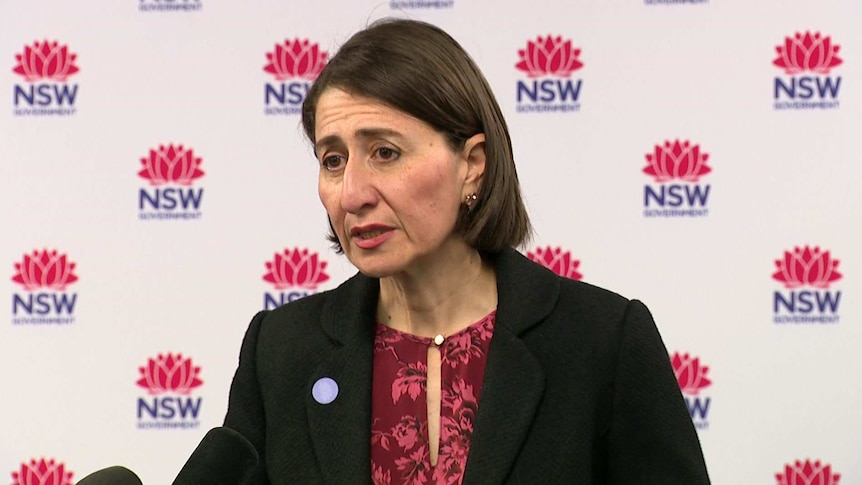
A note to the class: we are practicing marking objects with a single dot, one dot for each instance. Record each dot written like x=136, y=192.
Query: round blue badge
x=325, y=390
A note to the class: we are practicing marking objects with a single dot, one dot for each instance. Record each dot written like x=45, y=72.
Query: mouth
x=368, y=232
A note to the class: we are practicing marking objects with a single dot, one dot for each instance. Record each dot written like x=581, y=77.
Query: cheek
x=328, y=194
x=436, y=189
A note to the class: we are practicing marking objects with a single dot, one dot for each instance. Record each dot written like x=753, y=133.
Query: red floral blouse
x=399, y=414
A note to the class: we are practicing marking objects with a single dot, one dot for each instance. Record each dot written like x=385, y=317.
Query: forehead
x=339, y=112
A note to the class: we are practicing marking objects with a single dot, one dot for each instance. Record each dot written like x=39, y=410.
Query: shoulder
x=338, y=314
x=297, y=317
x=590, y=296
x=302, y=308
x=594, y=303
x=592, y=315
x=314, y=304
x=566, y=311
x=540, y=289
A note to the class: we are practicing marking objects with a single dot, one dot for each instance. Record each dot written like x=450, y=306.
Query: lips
x=370, y=236
x=368, y=231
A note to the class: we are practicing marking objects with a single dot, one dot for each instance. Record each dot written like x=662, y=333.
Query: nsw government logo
x=171, y=171
x=42, y=472
x=676, y=168
x=692, y=380
x=548, y=64
x=295, y=64
x=44, y=276
x=558, y=261
x=45, y=67
x=807, y=273
x=169, y=380
x=807, y=59
x=807, y=473
x=294, y=274
x=169, y=5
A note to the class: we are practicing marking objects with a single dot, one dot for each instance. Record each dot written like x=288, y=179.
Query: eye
x=386, y=154
x=332, y=162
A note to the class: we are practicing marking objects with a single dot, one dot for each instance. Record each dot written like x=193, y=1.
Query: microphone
x=223, y=457
x=115, y=475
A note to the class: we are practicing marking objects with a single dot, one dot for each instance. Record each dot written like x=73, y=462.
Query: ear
x=474, y=155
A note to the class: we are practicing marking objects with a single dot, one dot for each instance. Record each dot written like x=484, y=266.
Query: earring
x=469, y=199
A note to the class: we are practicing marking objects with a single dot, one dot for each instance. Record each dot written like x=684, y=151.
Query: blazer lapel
x=514, y=381
x=341, y=430
x=511, y=392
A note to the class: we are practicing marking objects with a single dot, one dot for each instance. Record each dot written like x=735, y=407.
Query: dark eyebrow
x=330, y=140
x=377, y=132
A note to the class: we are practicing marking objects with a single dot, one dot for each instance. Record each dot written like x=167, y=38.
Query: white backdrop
x=126, y=357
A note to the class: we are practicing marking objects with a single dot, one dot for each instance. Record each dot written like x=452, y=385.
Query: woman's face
x=390, y=183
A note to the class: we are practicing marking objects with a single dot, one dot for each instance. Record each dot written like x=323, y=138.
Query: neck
x=454, y=291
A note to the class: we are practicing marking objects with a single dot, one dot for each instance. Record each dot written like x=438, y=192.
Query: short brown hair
x=419, y=69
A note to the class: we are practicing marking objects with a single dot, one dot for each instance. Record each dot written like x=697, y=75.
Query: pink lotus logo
x=807, y=473
x=45, y=269
x=297, y=59
x=42, y=472
x=169, y=373
x=690, y=375
x=296, y=268
x=807, y=266
x=45, y=60
x=807, y=52
x=677, y=160
x=551, y=56
x=557, y=261
x=171, y=164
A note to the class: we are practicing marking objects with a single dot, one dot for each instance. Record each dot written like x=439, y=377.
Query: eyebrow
x=330, y=140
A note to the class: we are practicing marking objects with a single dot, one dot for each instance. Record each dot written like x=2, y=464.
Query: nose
x=357, y=187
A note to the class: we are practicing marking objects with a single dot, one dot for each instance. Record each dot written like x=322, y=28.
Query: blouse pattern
x=399, y=429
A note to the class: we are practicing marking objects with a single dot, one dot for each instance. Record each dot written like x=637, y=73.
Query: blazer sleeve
x=652, y=438
x=245, y=412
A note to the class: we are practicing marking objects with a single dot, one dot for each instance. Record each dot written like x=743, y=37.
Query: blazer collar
x=512, y=389
x=514, y=380
x=526, y=294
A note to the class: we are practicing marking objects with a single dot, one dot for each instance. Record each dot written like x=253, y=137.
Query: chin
x=375, y=266
x=379, y=265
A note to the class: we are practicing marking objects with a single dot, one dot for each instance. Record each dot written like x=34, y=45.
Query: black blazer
x=578, y=389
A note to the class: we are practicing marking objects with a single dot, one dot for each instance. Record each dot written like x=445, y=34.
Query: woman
x=449, y=358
